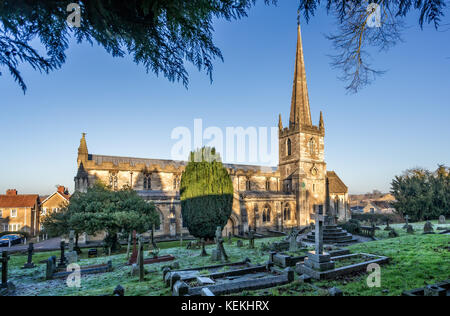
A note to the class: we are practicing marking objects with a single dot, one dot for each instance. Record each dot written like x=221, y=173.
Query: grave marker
x=442, y=219
x=29, y=264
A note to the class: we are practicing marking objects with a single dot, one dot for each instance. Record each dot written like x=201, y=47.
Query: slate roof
x=116, y=160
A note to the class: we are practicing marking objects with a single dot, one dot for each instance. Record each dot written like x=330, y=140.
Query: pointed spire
x=280, y=123
x=321, y=124
x=300, y=111
x=83, y=150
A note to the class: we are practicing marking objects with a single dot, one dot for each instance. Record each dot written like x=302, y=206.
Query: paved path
x=49, y=244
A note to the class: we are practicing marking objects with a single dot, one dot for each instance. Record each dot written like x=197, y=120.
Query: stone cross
x=293, y=241
x=71, y=240
x=4, y=260
x=30, y=263
x=407, y=219
x=319, y=229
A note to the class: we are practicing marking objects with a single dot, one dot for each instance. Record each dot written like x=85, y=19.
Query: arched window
x=287, y=212
x=267, y=184
x=248, y=184
x=176, y=182
x=312, y=146
x=289, y=147
x=161, y=221
x=266, y=214
x=148, y=182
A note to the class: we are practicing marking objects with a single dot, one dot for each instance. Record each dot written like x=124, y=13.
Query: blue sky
x=398, y=122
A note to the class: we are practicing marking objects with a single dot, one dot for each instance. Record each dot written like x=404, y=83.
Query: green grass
x=416, y=260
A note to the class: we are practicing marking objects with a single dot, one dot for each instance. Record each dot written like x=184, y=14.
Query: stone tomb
x=235, y=281
x=438, y=289
x=320, y=265
x=284, y=260
x=55, y=272
x=192, y=273
x=155, y=259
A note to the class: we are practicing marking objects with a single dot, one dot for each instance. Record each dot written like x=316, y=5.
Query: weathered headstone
x=230, y=238
x=406, y=222
x=428, y=228
x=72, y=255
x=29, y=264
x=251, y=236
x=119, y=291
x=128, y=246
x=51, y=267
x=442, y=219
x=393, y=233
x=410, y=229
x=239, y=243
x=62, y=260
x=220, y=253
x=71, y=240
x=134, y=254
x=293, y=241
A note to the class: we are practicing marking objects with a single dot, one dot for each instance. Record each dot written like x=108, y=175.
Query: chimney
x=11, y=192
x=61, y=189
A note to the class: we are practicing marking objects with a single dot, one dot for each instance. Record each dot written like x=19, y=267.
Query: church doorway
x=229, y=228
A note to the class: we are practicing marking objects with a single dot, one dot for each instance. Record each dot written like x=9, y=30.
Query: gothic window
x=289, y=147
x=266, y=214
x=148, y=182
x=312, y=146
x=287, y=212
x=176, y=182
x=248, y=184
x=113, y=182
x=267, y=184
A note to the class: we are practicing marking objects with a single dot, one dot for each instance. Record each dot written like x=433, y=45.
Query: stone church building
x=264, y=198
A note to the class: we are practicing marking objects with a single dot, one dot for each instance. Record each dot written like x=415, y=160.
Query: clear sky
x=400, y=121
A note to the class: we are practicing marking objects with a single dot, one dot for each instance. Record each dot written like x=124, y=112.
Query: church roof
x=336, y=184
x=116, y=160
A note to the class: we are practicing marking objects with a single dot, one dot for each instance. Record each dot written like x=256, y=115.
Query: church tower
x=301, y=147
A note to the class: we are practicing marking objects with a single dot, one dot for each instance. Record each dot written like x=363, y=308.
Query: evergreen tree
x=206, y=194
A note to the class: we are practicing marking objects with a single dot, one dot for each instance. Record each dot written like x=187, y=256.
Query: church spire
x=300, y=111
x=280, y=123
x=321, y=123
x=82, y=149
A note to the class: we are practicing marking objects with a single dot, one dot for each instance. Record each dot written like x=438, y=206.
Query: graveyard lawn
x=418, y=229
x=416, y=260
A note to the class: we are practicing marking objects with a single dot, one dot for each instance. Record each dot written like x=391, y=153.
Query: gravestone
x=239, y=243
x=129, y=246
x=428, y=228
x=51, y=267
x=141, y=261
x=29, y=264
x=393, y=233
x=230, y=238
x=406, y=222
x=119, y=291
x=134, y=254
x=219, y=254
x=293, y=241
x=442, y=219
x=134, y=270
x=62, y=264
x=72, y=255
x=251, y=236
x=410, y=229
